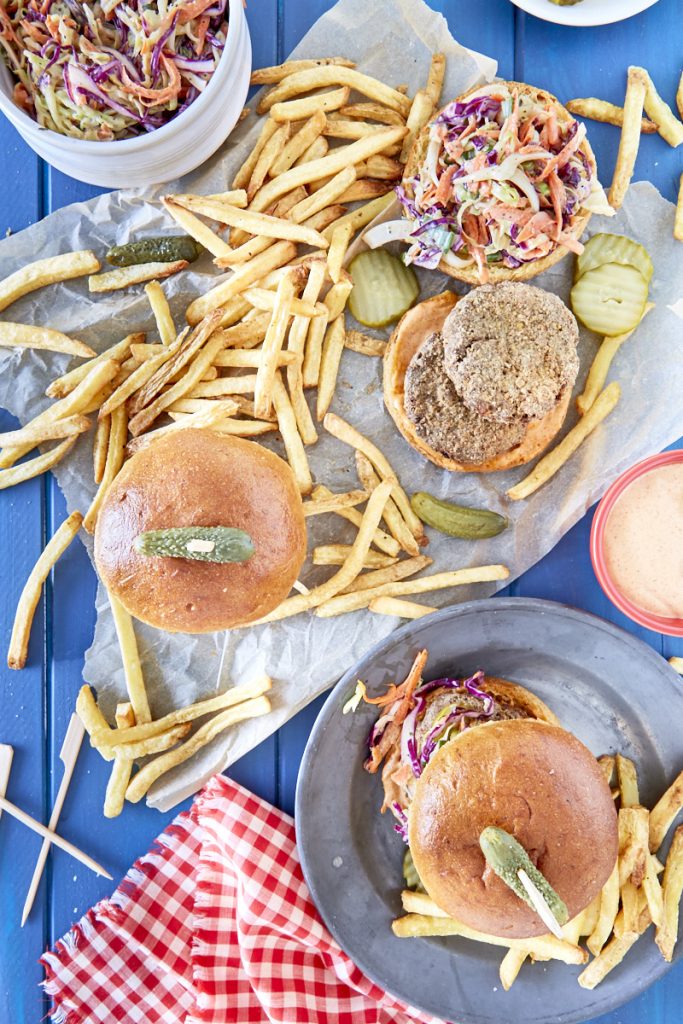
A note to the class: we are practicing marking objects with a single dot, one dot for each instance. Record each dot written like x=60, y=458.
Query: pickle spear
x=457, y=520
x=166, y=249
x=507, y=858
x=198, y=543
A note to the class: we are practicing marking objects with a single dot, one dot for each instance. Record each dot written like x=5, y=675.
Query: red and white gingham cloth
x=214, y=925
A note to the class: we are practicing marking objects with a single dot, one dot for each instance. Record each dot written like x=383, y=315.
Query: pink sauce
x=643, y=542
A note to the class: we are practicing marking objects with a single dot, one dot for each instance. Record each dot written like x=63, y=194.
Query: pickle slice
x=610, y=299
x=383, y=288
x=605, y=248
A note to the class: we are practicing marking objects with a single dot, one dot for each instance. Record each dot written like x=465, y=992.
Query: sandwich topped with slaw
x=498, y=186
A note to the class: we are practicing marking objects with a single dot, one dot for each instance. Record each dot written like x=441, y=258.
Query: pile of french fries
x=641, y=97
x=641, y=891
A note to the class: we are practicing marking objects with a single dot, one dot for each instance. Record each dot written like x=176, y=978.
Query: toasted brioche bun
x=512, y=693
x=497, y=273
x=540, y=784
x=201, y=478
x=418, y=324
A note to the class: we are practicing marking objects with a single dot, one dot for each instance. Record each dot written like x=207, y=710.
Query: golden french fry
x=64, y=385
x=381, y=539
x=116, y=449
x=314, y=348
x=234, y=197
x=316, y=150
x=510, y=966
x=663, y=813
x=336, y=554
x=244, y=385
x=238, y=428
x=332, y=349
x=334, y=75
x=272, y=75
x=296, y=453
x=678, y=217
x=272, y=346
x=380, y=166
x=26, y=336
x=556, y=457
x=607, y=763
x=139, y=732
x=253, y=223
x=171, y=361
x=33, y=434
x=156, y=768
x=161, y=311
x=299, y=143
x=247, y=251
x=321, y=220
x=115, y=794
x=372, y=112
x=439, y=581
x=196, y=228
x=609, y=907
x=48, y=271
x=124, y=277
x=653, y=891
x=338, y=127
x=609, y=958
x=299, y=110
x=343, y=431
x=420, y=113
x=339, y=243
x=140, y=377
x=30, y=595
x=296, y=343
x=267, y=157
x=278, y=255
x=336, y=298
x=357, y=341
x=250, y=358
x=284, y=205
x=325, y=196
x=90, y=715
x=633, y=843
x=437, y=70
x=586, y=921
x=35, y=467
x=668, y=125
x=100, y=448
x=597, y=374
x=628, y=781
x=213, y=417
x=365, y=189
x=378, y=577
x=335, y=502
x=362, y=216
x=607, y=113
x=392, y=517
x=241, y=179
x=264, y=298
x=629, y=142
x=143, y=748
x=677, y=665
x=335, y=161
x=672, y=886
x=400, y=609
x=132, y=669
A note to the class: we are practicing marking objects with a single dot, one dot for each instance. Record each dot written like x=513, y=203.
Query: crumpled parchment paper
x=393, y=40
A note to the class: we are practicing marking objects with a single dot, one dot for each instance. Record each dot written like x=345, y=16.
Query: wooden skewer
x=68, y=755
x=57, y=840
x=6, y=755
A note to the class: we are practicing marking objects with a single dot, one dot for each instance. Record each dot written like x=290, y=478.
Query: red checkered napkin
x=214, y=925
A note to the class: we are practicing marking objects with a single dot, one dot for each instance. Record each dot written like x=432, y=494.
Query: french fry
x=343, y=431
x=63, y=386
x=609, y=907
x=510, y=966
x=319, y=221
x=420, y=113
x=296, y=343
x=372, y=112
x=336, y=298
x=284, y=205
x=633, y=843
x=334, y=75
x=672, y=886
x=247, y=251
x=35, y=467
x=30, y=595
x=140, y=377
x=299, y=110
x=138, y=733
x=254, y=223
x=162, y=312
x=607, y=762
x=296, y=453
x=238, y=428
x=171, y=361
x=100, y=448
x=609, y=958
x=378, y=577
x=668, y=125
x=677, y=665
x=628, y=781
x=383, y=167
x=332, y=349
x=401, y=609
x=156, y=768
x=299, y=143
x=364, y=189
x=392, y=517
x=267, y=157
x=90, y=715
x=272, y=346
x=663, y=813
x=597, y=374
x=337, y=127
x=156, y=744
x=439, y=581
x=265, y=299
x=278, y=255
x=629, y=142
x=116, y=450
x=364, y=344
x=241, y=179
x=132, y=669
x=334, y=503
x=250, y=358
x=606, y=113
x=586, y=921
x=630, y=909
x=211, y=417
x=317, y=149
x=678, y=216
x=556, y=457
x=653, y=891
x=381, y=539
x=272, y=75
x=233, y=197
x=34, y=434
x=314, y=348
x=119, y=778
x=25, y=336
x=196, y=228
x=48, y=271
x=339, y=243
x=437, y=70
x=335, y=161
x=325, y=196
x=124, y=277
x=362, y=216
x=244, y=385
x=336, y=554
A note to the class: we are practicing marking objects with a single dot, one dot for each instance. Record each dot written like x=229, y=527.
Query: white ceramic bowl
x=586, y=13
x=166, y=153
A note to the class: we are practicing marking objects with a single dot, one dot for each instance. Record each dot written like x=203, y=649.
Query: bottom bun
x=412, y=330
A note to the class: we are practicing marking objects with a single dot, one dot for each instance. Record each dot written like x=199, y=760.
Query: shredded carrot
x=155, y=95
x=193, y=10
x=557, y=195
x=563, y=156
x=202, y=29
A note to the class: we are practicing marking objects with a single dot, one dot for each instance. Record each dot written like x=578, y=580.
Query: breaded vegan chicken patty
x=510, y=351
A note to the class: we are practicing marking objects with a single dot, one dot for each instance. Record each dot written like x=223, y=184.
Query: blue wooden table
x=35, y=704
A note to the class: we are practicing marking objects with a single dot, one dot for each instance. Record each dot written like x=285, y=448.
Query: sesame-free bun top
x=534, y=780
x=201, y=478
x=579, y=221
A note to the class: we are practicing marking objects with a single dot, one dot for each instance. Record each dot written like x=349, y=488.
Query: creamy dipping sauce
x=643, y=542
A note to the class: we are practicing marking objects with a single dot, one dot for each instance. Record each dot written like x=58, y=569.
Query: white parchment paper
x=392, y=39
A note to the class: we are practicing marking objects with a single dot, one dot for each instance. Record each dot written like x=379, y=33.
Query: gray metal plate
x=610, y=689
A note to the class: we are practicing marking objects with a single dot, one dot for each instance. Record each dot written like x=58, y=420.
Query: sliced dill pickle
x=610, y=299
x=166, y=249
x=383, y=288
x=413, y=880
x=457, y=520
x=606, y=248
x=198, y=543
x=507, y=857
